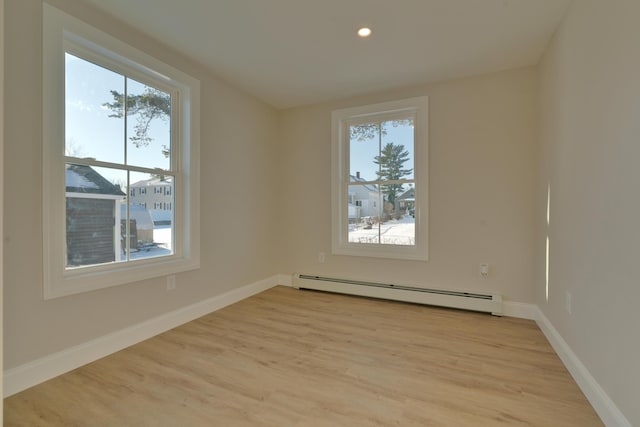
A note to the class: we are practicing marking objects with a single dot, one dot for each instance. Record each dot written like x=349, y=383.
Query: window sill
x=411, y=253
x=94, y=278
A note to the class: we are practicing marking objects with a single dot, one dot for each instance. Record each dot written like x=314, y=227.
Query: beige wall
x=237, y=186
x=482, y=146
x=590, y=149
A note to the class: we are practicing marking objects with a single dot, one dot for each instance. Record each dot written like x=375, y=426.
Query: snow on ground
x=162, y=244
x=162, y=235
x=393, y=232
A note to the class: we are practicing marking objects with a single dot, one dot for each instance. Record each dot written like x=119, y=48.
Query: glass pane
x=381, y=150
x=373, y=219
x=94, y=126
x=363, y=210
x=148, y=126
x=396, y=150
x=151, y=211
x=94, y=197
x=364, y=147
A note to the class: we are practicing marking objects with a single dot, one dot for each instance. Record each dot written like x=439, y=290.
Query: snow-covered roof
x=138, y=213
x=370, y=187
x=153, y=182
x=409, y=195
x=84, y=179
x=160, y=215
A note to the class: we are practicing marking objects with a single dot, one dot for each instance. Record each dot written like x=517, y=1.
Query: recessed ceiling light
x=364, y=32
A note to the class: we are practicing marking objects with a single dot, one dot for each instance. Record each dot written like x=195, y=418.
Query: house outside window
x=92, y=209
x=380, y=180
x=113, y=117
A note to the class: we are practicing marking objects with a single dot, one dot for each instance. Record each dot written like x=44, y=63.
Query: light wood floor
x=300, y=358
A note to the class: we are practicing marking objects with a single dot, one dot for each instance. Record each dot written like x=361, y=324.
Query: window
x=380, y=159
x=114, y=120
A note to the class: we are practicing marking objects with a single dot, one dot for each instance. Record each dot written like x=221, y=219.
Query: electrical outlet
x=567, y=302
x=484, y=270
x=171, y=282
x=321, y=257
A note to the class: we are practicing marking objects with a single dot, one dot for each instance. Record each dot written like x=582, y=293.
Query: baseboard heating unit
x=490, y=303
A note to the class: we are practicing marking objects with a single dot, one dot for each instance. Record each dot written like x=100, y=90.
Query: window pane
x=397, y=159
x=389, y=225
x=151, y=215
x=364, y=147
x=93, y=199
x=363, y=206
x=148, y=126
x=381, y=150
x=363, y=202
x=92, y=129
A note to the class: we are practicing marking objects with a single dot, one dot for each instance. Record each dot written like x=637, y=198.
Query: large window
x=115, y=120
x=380, y=180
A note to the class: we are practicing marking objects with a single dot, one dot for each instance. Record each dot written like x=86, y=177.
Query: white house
x=364, y=199
x=157, y=196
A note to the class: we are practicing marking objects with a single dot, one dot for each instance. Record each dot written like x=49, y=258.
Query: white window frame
x=340, y=179
x=59, y=31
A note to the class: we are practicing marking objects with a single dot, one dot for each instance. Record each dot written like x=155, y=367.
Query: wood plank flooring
x=298, y=358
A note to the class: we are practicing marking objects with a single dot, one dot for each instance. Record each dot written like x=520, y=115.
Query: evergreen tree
x=391, y=167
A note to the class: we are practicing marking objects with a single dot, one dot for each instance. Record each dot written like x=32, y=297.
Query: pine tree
x=391, y=167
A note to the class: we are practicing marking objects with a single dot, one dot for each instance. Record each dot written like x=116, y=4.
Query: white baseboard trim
x=520, y=309
x=285, y=280
x=40, y=370
x=606, y=409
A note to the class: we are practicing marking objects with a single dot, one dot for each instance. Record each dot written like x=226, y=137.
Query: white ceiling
x=294, y=52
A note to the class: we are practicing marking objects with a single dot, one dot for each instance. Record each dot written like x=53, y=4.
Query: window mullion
x=125, y=108
x=379, y=187
x=127, y=227
x=90, y=161
x=383, y=181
